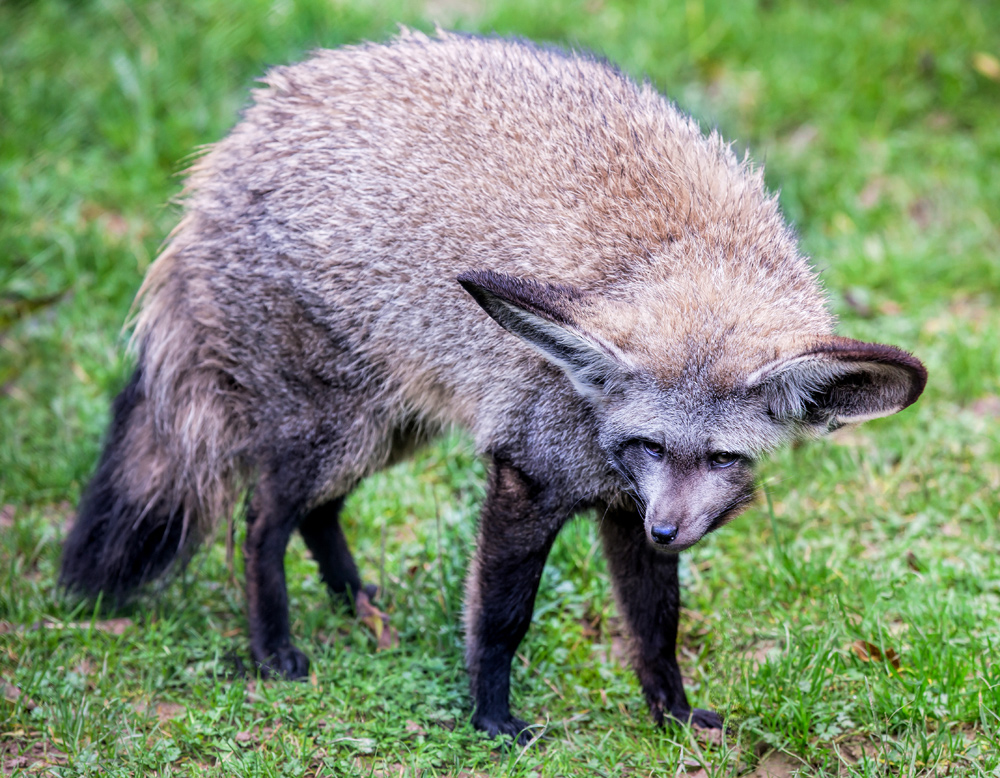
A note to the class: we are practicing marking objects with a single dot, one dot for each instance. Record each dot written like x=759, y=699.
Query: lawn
x=846, y=625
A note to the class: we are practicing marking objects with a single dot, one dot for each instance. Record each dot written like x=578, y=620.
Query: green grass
x=879, y=124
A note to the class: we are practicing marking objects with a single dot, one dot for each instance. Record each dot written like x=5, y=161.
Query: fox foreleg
x=519, y=522
x=648, y=592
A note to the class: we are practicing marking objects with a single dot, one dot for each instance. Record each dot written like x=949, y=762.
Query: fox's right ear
x=536, y=313
x=840, y=381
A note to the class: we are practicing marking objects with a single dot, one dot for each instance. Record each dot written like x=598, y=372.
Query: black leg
x=645, y=581
x=519, y=522
x=271, y=518
x=325, y=539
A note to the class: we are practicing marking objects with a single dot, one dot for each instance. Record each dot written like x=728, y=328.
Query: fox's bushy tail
x=172, y=461
x=117, y=542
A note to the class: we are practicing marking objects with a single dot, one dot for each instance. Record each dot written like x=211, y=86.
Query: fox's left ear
x=840, y=381
x=540, y=315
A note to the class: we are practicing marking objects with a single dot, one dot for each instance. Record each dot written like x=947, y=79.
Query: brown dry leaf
x=12, y=694
x=914, y=563
x=6, y=516
x=243, y=737
x=853, y=749
x=591, y=627
x=414, y=728
x=869, y=652
x=377, y=622
x=986, y=65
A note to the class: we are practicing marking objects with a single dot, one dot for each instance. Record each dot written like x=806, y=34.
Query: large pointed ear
x=840, y=381
x=537, y=313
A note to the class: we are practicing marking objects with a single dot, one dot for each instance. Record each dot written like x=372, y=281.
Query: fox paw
x=696, y=717
x=511, y=726
x=286, y=662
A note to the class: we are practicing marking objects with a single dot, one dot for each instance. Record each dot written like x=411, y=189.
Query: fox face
x=682, y=435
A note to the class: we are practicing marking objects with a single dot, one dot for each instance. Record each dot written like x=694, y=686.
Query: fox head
x=683, y=428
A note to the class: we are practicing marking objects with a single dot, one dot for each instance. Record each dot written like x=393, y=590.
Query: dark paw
x=287, y=662
x=696, y=717
x=511, y=726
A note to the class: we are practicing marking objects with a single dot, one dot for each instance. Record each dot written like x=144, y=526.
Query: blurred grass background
x=880, y=125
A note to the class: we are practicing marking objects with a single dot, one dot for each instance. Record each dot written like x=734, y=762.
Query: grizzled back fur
x=308, y=300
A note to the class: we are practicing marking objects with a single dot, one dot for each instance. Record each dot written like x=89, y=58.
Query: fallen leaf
x=377, y=622
x=986, y=65
x=869, y=652
x=12, y=694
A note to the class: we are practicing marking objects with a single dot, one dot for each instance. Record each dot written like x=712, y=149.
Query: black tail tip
x=115, y=547
x=118, y=544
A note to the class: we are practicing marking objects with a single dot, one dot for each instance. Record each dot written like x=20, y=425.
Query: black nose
x=664, y=536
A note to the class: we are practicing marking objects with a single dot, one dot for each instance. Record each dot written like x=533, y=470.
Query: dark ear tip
x=880, y=353
x=471, y=282
x=904, y=360
x=918, y=374
x=471, y=278
x=548, y=300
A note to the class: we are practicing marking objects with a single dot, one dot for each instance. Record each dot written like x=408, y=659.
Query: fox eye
x=655, y=450
x=723, y=459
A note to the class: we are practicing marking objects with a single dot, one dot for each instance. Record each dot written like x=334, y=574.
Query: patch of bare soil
x=35, y=758
x=777, y=765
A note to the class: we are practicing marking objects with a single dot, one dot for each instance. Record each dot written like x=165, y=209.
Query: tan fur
x=331, y=299
x=367, y=178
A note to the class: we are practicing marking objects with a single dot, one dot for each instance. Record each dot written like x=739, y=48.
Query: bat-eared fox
x=477, y=232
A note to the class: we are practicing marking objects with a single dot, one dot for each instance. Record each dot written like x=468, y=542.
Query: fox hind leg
x=272, y=515
x=648, y=592
x=325, y=539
